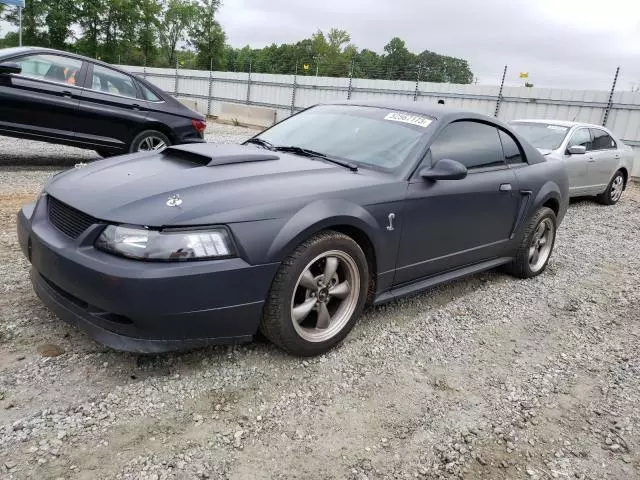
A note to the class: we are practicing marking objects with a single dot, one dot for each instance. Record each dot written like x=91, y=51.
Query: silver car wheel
x=325, y=296
x=541, y=245
x=151, y=143
x=616, y=188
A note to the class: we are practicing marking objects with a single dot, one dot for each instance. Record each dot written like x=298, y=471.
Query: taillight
x=199, y=125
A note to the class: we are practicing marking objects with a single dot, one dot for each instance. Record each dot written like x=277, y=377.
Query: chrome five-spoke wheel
x=541, y=244
x=325, y=296
x=317, y=295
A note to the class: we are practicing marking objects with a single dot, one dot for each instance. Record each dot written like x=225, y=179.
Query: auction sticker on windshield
x=407, y=118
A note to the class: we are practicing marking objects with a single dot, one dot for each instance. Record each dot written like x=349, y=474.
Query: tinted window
x=147, y=94
x=512, y=153
x=581, y=137
x=475, y=145
x=53, y=68
x=602, y=140
x=110, y=81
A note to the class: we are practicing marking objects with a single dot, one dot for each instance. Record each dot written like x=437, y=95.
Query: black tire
x=521, y=266
x=608, y=197
x=138, y=144
x=277, y=317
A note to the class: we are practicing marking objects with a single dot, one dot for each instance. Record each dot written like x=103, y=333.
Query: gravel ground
x=486, y=378
x=16, y=152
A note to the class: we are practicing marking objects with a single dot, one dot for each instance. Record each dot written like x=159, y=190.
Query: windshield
x=541, y=135
x=369, y=136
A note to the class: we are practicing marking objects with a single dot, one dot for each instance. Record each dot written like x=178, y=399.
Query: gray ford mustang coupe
x=292, y=233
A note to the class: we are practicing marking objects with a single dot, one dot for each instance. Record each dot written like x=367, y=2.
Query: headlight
x=168, y=245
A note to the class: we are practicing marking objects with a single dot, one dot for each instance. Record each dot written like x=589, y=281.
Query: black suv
x=64, y=98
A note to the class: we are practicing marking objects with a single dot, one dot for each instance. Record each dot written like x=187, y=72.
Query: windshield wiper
x=261, y=142
x=311, y=153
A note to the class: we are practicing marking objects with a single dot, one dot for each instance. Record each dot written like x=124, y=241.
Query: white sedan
x=597, y=162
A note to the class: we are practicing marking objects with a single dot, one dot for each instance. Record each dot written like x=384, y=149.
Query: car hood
x=202, y=184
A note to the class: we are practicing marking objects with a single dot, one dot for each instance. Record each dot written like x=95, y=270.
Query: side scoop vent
x=209, y=155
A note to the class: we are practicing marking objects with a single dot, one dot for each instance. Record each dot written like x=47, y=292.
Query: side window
x=512, y=153
x=53, y=68
x=474, y=144
x=581, y=137
x=147, y=94
x=110, y=81
x=602, y=140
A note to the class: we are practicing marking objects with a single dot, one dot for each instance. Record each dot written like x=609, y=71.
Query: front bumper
x=141, y=306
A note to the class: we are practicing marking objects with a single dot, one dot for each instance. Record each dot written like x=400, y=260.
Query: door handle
x=616, y=156
x=591, y=160
x=66, y=93
x=135, y=106
x=505, y=187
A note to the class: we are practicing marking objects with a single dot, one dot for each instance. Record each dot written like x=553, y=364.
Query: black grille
x=67, y=219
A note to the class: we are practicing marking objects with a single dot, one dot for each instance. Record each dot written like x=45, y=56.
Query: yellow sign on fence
x=306, y=66
x=524, y=74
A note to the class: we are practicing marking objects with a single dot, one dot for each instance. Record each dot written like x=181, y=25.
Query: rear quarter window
x=512, y=153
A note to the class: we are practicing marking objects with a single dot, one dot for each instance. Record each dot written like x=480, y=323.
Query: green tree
x=150, y=11
x=178, y=16
x=59, y=19
x=33, y=21
x=439, y=68
x=398, y=62
x=119, y=26
x=368, y=64
x=338, y=39
x=90, y=20
x=207, y=36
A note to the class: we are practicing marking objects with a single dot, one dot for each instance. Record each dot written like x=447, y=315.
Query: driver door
x=452, y=223
x=43, y=99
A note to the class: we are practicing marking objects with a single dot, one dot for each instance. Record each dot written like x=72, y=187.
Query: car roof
x=438, y=112
x=559, y=123
x=18, y=50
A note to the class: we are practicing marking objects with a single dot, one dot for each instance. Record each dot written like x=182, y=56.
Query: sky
x=560, y=43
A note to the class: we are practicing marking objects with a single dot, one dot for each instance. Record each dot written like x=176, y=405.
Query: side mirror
x=577, y=150
x=9, y=67
x=445, y=169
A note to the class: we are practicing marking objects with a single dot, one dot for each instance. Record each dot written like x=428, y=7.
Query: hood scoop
x=209, y=155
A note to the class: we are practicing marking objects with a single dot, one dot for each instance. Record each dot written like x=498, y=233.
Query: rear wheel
x=536, y=245
x=148, y=141
x=614, y=190
x=317, y=295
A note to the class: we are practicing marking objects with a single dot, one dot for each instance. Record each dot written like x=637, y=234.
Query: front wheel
x=317, y=295
x=536, y=245
x=614, y=190
x=148, y=141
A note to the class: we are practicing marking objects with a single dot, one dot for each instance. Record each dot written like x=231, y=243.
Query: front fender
x=550, y=190
x=320, y=215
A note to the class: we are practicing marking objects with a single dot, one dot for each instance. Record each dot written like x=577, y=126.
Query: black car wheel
x=614, y=190
x=317, y=295
x=149, y=140
x=536, y=245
